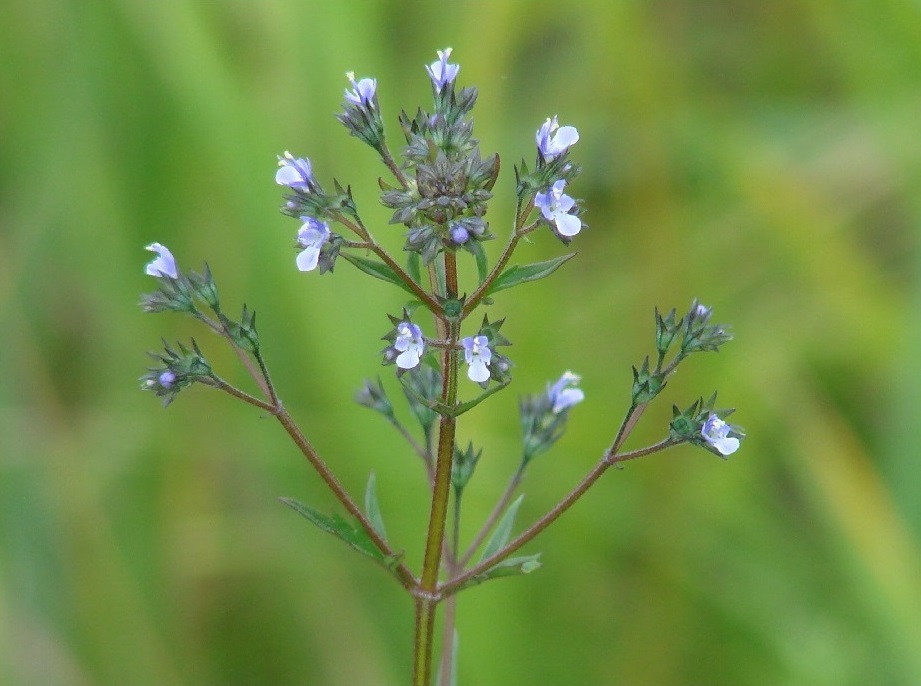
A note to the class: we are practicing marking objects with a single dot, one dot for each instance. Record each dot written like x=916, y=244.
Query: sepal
x=646, y=385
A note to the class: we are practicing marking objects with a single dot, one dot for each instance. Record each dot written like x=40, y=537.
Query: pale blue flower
x=410, y=344
x=459, y=234
x=716, y=432
x=164, y=264
x=564, y=393
x=311, y=237
x=441, y=72
x=363, y=90
x=294, y=172
x=553, y=140
x=555, y=206
x=462, y=229
x=478, y=355
x=166, y=379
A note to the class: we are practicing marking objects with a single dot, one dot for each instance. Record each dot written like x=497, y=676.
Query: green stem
x=426, y=594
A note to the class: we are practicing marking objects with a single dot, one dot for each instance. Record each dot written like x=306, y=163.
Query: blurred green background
x=764, y=157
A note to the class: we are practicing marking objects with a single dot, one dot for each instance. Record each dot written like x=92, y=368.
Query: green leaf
x=414, y=267
x=351, y=534
x=376, y=269
x=503, y=530
x=516, y=275
x=513, y=566
x=373, y=508
x=482, y=266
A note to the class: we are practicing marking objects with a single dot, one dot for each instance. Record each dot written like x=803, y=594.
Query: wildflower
x=564, y=393
x=555, y=206
x=441, y=72
x=410, y=344
x=363, y=92
x=164, y=264
x=478, y=355
x=166, y=379
x=716, y=433
x=462, y=229
x=311, y=237
x=553, y=140
x=294, y=172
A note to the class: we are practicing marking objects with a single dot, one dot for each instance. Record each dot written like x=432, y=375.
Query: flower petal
x=568, y=224
x=308, y=259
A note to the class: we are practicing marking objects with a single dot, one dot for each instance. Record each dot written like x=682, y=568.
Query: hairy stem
x=426, y=598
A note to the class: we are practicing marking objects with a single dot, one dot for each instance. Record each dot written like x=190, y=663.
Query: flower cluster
x=544, y=416
x=178, y=368
x=707, y=427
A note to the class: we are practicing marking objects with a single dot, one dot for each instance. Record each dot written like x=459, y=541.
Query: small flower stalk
x=441, y=355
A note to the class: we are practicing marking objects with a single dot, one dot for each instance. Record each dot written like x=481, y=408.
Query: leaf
x=414, y=266
x=482, y=265
x=373, y=508
x=503, y=530
x=376, y=269
x=513, y=566
x=352, y=535
x=516, y=275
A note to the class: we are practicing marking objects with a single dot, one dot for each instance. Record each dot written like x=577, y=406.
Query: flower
x=410, y=344
x=553, y=140
x=167, y=379
x=164, y=264
x=363, y=92
x=555, y=206
x=564, y=394
x=462, y=229
x=311, y=237
x=478, y=355
x=441, y=72
x=294, y=172
x=716, y=433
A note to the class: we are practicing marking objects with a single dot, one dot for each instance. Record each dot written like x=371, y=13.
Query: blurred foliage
x=764, y=157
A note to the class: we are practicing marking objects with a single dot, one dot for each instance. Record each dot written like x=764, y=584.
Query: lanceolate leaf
x=503, y=530
x=513, y=566
x=482, y=265
x=342, y=529
x=373, y=508
x=516, y=275
x=376, y=269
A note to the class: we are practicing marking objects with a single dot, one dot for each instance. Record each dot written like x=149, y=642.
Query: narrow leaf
x=516, y=275
x=414, y=266
x=352, y=535
x=513, y=566
x=373, y=508
x=503, y=530
x=482, y=265
x=376, y=269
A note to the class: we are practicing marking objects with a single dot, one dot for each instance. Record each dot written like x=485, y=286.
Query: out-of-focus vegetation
x=764, y=157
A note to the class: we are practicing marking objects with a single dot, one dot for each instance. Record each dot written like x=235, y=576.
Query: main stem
x=426, y=594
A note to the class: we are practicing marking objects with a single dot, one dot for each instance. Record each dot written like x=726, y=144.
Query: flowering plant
x=439, y=193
